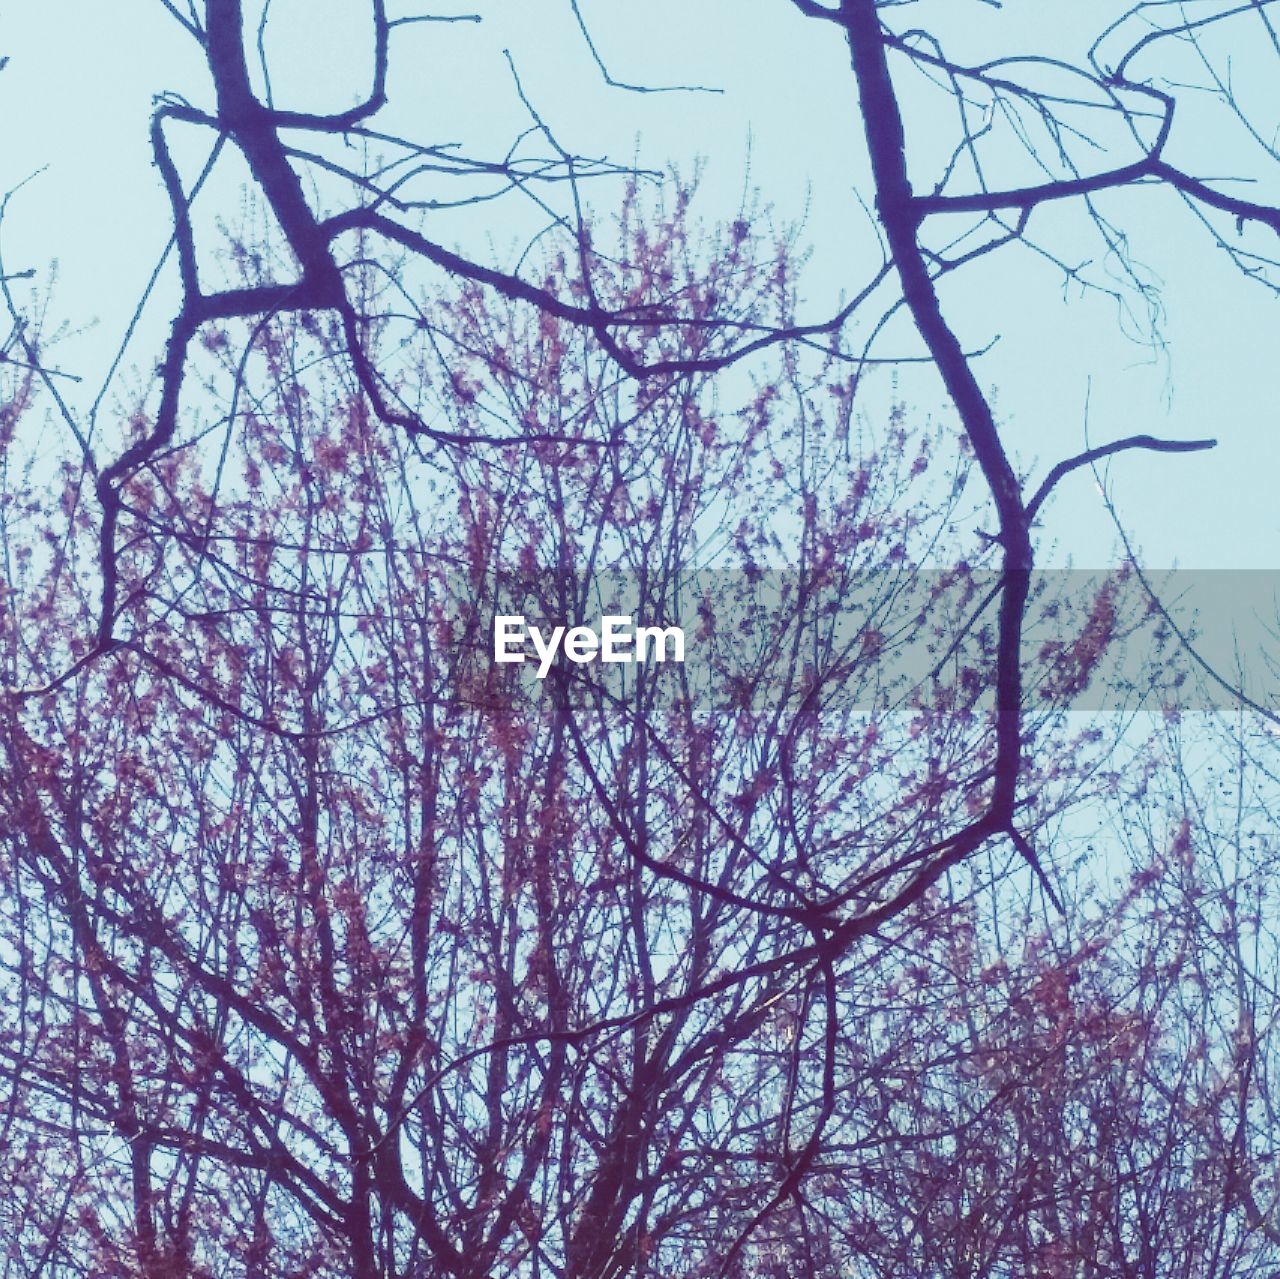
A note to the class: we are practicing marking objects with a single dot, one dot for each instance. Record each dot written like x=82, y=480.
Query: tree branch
x=1148, y=442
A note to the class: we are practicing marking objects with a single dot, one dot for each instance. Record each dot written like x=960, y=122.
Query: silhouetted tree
x=332, y=947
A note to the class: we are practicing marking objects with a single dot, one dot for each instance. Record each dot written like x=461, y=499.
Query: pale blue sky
x=77, y=96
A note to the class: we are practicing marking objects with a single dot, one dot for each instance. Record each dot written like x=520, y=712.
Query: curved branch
x=900, y=214
x=1147, y=442
x=621, y=84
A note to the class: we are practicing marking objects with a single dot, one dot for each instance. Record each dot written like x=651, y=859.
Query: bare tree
x=333, y=947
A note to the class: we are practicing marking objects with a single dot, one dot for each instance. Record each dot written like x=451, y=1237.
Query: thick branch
x=1148, y=442
x=900, y=215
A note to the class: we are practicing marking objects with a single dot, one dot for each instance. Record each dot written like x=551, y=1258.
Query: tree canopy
x=920, y=920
